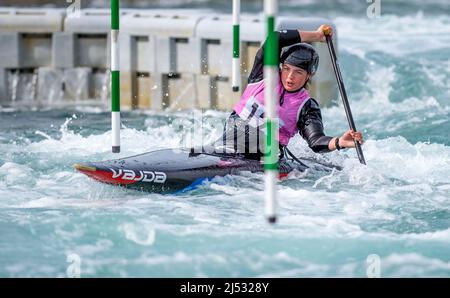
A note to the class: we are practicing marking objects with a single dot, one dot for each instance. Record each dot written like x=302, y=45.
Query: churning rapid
x=397, y=72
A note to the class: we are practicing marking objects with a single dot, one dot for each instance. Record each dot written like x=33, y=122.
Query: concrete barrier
x=10, y=50
x=78, y=83
x=26, y=36
x=25, y=47
x=4, y=94
x=50, y=82
x=85, y=44
x=90, y=31
x=154, y=46
x=31, y=20
x=22, y=87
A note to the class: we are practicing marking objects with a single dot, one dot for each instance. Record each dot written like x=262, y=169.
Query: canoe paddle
x=340, y=82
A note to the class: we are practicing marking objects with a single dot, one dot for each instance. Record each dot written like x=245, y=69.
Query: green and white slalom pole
x=270, y=100
x=115, y=77
x=236, y=66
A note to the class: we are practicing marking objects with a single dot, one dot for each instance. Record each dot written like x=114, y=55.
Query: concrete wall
x=169, y=59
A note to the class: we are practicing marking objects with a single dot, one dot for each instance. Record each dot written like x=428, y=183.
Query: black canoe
x=175, y=170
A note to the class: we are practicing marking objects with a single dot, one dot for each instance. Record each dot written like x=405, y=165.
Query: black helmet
x=301, y=55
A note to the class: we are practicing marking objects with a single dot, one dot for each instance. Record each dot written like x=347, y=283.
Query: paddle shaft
x=340, y=82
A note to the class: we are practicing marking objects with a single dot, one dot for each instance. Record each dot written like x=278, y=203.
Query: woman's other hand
x=347, y=140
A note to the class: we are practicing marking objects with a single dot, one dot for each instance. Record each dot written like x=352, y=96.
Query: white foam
x=414, y=264
x=134, y=141
x=141, y=233
x=91, y=109
x=100, y=245
x=14, y=173
x=441, y=236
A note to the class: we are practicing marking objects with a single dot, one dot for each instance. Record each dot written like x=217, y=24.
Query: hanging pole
x=236, y=66
x=270, y=99
x=115, y=77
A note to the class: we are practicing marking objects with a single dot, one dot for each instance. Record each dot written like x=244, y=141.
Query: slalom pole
x=340, y=82
x=270, y=99
x=115, y=77
x=236, y=64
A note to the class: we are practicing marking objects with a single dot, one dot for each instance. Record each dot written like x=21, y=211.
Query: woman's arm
x=347, y=140
x=316, y=36
x=310, y=127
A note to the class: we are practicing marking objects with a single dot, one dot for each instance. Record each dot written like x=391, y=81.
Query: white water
x=396, y=207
